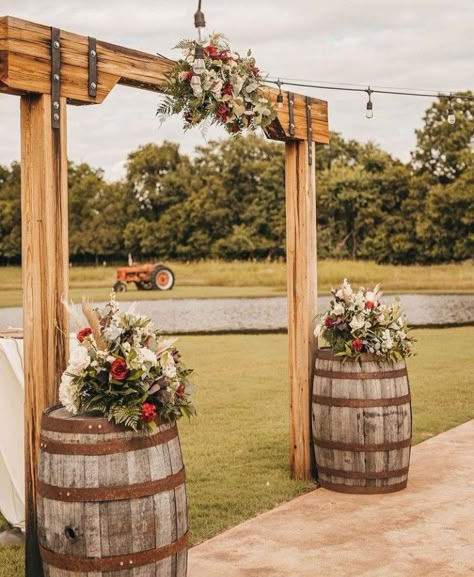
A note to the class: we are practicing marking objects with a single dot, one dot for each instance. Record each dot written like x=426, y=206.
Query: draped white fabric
x=12, y=469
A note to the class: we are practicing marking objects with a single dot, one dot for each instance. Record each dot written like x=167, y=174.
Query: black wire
x=373, y=90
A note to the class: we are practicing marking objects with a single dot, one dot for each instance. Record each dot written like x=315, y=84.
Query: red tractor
x=145, y=276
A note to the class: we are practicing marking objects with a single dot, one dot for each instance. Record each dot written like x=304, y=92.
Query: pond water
x=270, y=314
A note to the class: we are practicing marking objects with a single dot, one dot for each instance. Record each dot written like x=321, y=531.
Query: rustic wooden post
x=301, y=271
x=45, y=281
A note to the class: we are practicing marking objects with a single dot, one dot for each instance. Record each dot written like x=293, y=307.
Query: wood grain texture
x=347, y=467
x=113, y=528
x=45, y=279
x=301, y=271
x=25, y=67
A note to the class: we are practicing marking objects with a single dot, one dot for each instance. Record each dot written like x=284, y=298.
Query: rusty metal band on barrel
x=357, y=489
x=90, y=426
x=362, y=448
x=361, y=376
x=116, y=563
x=363, y=474
x=115, y=493
x=107, y=447
x=360, y=403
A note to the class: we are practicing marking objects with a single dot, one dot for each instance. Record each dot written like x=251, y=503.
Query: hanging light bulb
x=369, y=113
x=199, y=19
x=451, y=115
x=196, y=85
x=199, y=65
x=280, y=95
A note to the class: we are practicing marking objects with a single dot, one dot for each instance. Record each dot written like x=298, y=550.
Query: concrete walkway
x=425, y=530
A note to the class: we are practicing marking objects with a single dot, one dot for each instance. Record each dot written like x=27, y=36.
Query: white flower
x=357, y=323
x=338, y=309
x=317, y=330
x=370, y=296
x=345, y=292
x=168, y=365
x=147, y=356
x=78, y=360
x=67, y=393
x=359, y=300
x=112, y=333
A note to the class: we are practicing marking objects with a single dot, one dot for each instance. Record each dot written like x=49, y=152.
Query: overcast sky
x=424, y=44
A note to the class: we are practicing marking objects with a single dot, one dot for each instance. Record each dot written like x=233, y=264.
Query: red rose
x=119, y=370
x=83, y=333
x=189, y=75
x=357, y=345
x=148, y=412
x=180, y=392
x=210, y=51
x=228, y=89
x=222, y=55
x=328, y=322
x=369, y=305
x=222, y=112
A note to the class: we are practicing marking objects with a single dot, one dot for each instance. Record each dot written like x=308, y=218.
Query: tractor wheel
x=120, y=287
x=162, y=278
x=144, y=285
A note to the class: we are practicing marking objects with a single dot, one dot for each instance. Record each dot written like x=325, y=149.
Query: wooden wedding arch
x=50, y=68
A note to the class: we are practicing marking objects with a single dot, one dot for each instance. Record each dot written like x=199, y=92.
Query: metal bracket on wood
x=291, y=112
x=55, y=77
x=92, y=67
x=309, y=126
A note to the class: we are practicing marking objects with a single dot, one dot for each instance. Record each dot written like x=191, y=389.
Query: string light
x=280, y=95
x=199, y=66
x=451, y=115
x=370, y=107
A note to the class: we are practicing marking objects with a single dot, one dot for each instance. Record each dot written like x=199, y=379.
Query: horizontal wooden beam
x=25, y=67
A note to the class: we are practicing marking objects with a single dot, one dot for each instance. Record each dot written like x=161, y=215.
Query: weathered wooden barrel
x=361, y=424
x=110, y=500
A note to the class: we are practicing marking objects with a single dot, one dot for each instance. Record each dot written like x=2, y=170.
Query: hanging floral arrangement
x=213, y=84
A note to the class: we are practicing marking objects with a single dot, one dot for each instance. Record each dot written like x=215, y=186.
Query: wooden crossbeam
x=25, y=67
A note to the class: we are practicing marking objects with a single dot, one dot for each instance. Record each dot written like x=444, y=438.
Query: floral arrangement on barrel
x=358, y=322
x=212, y=82
x=124, y=369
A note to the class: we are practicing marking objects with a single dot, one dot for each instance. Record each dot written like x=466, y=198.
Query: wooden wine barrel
x=110, y=500
x=361, y=424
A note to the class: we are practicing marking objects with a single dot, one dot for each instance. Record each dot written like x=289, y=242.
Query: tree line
x=228, y=200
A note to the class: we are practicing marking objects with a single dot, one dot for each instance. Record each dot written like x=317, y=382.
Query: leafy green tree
x=446, y=232
x=98, y=213
x=10, y=213
x=444, y=151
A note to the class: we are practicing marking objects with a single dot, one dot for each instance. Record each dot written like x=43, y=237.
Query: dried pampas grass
x=93, y=323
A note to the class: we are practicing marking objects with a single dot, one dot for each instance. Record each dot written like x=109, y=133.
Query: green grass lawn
x=209, y=279
x=236, y=451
